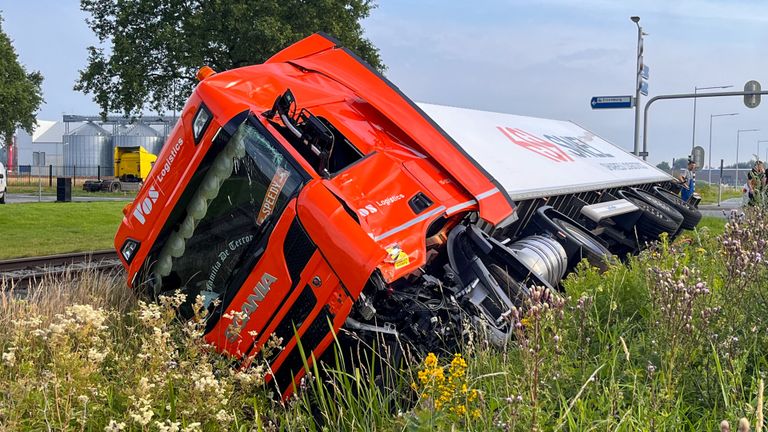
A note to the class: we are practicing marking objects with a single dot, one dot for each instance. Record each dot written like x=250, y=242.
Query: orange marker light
x=204, y=72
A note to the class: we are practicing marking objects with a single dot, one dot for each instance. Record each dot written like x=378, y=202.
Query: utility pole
x=638, y=82
x=758, y=148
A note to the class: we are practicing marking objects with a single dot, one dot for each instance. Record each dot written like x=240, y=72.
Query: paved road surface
x=12, y=198
x=725, y=207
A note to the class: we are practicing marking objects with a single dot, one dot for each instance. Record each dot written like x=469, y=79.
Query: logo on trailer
x=535, y=144
x=144, y=208
x=239, y=320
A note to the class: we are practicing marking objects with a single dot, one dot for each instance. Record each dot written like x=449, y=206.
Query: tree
x=154, y=47
x=664, y=166
x=681, y=163
x=20, y=92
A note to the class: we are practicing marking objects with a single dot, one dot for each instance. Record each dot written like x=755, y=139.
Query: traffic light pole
x=650, y=102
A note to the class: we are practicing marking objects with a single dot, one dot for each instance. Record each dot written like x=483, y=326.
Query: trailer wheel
x=691, y=215
x=659, y=204
x=653, y=222
x=596, y=254
x=114, y=187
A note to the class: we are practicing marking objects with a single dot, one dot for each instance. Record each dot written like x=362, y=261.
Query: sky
x=542, y=58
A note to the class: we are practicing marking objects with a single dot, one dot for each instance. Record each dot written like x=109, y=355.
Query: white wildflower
x=192, y=427
x=9, y=358
x=114, y=426
x=167, y=426
x=144, y=413
x=223, y=417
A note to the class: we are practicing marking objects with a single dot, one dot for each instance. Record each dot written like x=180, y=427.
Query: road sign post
x=610, y=102
x=720, y=184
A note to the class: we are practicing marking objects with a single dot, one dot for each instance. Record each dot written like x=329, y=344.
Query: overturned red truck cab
x=308, y=194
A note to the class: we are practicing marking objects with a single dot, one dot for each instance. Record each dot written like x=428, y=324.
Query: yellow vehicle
x=133, y=163
x=132, y=166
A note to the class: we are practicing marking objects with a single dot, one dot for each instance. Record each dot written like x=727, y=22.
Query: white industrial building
x=44, y=147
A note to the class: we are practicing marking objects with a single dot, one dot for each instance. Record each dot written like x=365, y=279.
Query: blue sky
x=543, y=58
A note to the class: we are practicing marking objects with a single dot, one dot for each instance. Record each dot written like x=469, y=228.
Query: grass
x=715, y=226
x=709, y=192
x=48, y=228
x=674, y=339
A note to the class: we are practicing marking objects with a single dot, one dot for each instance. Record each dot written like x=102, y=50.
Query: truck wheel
x=2, y=199
x=596, y=254
x=691, y=215
x=114, y=187
x=653, y=222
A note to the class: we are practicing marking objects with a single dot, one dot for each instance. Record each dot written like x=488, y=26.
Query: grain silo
x=140, y=135
x=88, y=151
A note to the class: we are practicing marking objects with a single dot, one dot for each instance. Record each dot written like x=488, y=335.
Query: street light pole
x=738, y=134
x=758, y=148
x=636, y=20
x=695, y=91
x=711, y=116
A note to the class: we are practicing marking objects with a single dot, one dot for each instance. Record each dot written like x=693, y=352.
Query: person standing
x=756, y=183
x=688, y=179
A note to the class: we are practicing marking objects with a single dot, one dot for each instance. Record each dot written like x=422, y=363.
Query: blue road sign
x=644, y=87
x=602, y=102
x=645, y=72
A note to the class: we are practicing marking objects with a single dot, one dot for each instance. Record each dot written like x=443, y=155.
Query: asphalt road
x=12, y=198
x=722, y=211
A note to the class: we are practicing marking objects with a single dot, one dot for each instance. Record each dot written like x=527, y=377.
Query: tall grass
x=675, y=339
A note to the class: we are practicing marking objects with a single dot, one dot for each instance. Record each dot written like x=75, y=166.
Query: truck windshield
x=239, y=196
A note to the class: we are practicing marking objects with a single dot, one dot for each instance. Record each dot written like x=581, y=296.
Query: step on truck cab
x=308, y=194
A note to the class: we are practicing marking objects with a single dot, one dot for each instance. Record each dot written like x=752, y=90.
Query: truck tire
x=2, y=199
x=596, y=254
x=691, y=215
x=652, y=222
x=659, y=204
x=114, y=187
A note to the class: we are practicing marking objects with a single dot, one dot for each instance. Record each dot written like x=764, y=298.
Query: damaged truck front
x=307, y=195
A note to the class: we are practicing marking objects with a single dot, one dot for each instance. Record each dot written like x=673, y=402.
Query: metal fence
x=33, y=175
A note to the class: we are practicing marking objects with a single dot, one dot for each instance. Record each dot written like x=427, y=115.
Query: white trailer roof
x=534, y=157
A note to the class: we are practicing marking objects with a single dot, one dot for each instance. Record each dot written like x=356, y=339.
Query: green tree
x=20, y=92
x=664, y=166
x=681, y=163
x=150, y=50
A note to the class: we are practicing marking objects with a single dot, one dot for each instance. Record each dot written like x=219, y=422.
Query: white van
x=3, y=183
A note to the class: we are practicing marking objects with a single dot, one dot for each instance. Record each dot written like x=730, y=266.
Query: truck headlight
x=129, y=249
x=202, y=118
